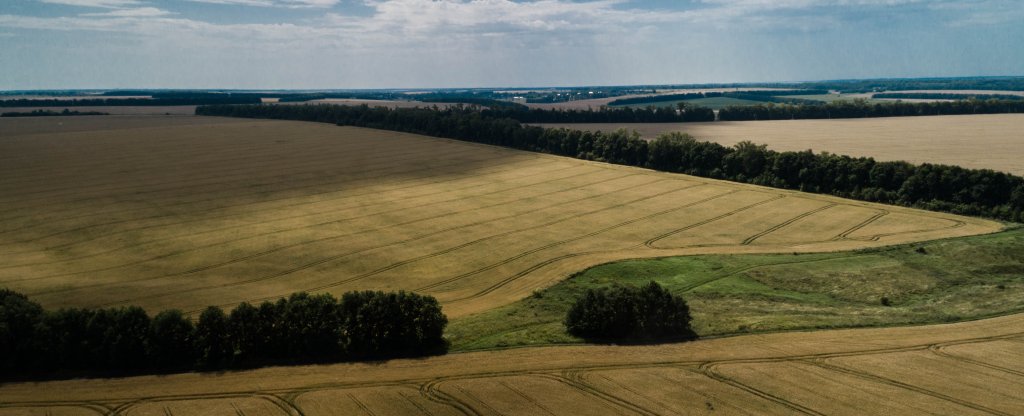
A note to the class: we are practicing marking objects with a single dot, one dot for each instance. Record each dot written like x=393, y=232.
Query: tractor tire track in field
x=877, y=237
x=708, y=370
x=420, y=237
x=577, y=380
x=450, y=249
x=429, y=387
x=415, y=404
x=98, y=225
x=367, y=174
x=526, y=397
x=333, y=237
x=784, y=224
x=361, y=405
x=650, y=243
x=845, y=234
x=568, y=240
x=938, y=350
x=293, y=185
x=894, y=383
x=331, y=211
x=430, y=391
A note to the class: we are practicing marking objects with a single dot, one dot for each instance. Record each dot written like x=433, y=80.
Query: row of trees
x=630, y=313
x=945, y=96
x=865, y=109
x=46, y=113
x=300, y=328
x=938, y=187
x=193, y=99
x=677, y=114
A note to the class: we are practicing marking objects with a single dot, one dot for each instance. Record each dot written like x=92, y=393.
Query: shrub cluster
x=630, y=313
x=936, y=187
x=298, y=329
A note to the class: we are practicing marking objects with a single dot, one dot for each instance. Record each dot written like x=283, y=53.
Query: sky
x=342, y=44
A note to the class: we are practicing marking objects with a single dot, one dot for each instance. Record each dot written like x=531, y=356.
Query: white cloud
x=110, y=4
x=136, y=12
x=276, y=3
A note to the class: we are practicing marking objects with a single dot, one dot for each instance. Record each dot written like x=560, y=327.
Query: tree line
x=945, y=96
x=48, y=113
x=980, y=192
x=677, y=114
x=301, y=328
x=197, y=99
x=865, y=109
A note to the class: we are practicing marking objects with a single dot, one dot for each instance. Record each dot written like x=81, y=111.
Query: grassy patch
x=939, y=281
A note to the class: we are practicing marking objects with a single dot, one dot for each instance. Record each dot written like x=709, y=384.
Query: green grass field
x=938, y=281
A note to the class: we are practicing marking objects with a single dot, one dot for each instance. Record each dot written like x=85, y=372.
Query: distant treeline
x=905, y=84
x=157, y=100
x=937, y=187
x=45, y=113
x=302, y=328
x=945, y=96
x=865, y=109
x=604, y=115
x=761, y=95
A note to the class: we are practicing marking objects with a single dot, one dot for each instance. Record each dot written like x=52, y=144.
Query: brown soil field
x=990, y=141
x=952, y=369
x=185, y=212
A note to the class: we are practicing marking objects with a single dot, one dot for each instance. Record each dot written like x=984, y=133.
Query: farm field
x=913, y=284
x=192, y=211
x=952, y=369
x=993, y=141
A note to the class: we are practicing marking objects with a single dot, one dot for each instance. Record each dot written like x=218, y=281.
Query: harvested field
x=987, y=141
x=844, y=372
x=198, y=211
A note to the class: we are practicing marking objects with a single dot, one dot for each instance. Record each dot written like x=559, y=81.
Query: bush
x=620, y=313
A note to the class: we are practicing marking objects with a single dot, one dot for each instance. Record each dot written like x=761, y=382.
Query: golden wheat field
x=952, y=369
x=185, y=212
x=188, y=212
x=988, y=141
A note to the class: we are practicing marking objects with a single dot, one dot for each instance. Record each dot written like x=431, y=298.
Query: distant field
x=599, y=102
x=976, y=141
x=970, y=368
x=184, y=212
x=714, y=103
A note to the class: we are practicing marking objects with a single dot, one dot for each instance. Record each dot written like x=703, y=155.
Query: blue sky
x=54, y=44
